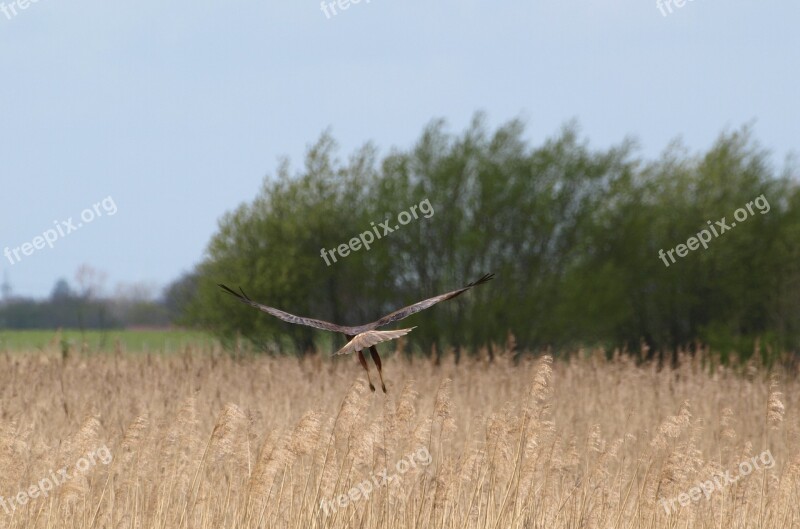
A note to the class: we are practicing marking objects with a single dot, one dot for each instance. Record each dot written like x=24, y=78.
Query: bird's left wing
x=291, y=318
x=367, y=339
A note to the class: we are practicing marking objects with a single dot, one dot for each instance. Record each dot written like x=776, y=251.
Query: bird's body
x=361, y=336
x=368, y=339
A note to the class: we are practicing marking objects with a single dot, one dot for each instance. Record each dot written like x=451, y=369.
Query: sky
x=127, y=129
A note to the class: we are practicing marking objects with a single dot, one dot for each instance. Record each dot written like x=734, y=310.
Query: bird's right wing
x=367, y=339
x=291, y=318
x=424, y=304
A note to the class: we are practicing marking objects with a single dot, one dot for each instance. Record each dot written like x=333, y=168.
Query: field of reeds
x=201, y=439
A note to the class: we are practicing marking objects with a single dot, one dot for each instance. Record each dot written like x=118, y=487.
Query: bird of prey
x=365, y=336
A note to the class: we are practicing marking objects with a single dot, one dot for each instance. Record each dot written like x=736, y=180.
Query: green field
x=103, y=340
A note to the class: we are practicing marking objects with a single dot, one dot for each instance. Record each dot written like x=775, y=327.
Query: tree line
x=589, y=246
x=85, y=307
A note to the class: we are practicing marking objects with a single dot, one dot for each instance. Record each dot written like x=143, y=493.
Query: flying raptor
x=364, y=336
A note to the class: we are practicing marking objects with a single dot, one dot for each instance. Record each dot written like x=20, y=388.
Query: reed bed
x=201, y=439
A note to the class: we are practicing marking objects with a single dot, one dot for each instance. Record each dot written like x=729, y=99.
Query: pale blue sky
x=178, y=109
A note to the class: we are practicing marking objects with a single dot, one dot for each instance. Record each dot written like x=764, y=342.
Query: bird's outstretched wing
x=424, y=304
x=291, y=318
x=352, y=331
x=367, y=339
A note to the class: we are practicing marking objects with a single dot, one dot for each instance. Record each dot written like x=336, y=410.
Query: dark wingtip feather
x=242, y=296
x=485, y=279
x=228, y=290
